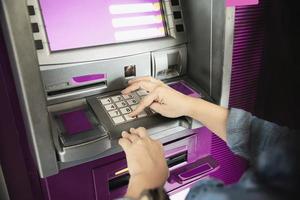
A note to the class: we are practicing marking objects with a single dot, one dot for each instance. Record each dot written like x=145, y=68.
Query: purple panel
x=89, y=78
x=184, y=89
x=194, y=172
x=241, y=2
x=76, y=122
x=249, y=40
x=76, y=23
x=231, y=166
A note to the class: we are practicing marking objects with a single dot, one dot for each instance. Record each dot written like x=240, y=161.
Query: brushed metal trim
x=24, y=63
x=3, y=189
x=228, y=52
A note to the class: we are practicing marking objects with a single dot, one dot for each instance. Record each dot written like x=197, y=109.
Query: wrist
x=137, y=184
x=192, y=107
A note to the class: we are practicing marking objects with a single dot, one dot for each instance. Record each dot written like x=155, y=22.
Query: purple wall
x=19, y=171
x=248, y=52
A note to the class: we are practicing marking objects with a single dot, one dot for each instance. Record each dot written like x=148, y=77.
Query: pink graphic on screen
x=74, y=24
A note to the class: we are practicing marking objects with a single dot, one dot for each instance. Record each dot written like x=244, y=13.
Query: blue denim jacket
x=247, y=136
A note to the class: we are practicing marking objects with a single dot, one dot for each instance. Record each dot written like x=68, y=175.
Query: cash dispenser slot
x=123, y=180
x=81, y=88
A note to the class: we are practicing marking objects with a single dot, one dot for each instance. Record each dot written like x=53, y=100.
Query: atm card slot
x=77, y=89
x=123, y=180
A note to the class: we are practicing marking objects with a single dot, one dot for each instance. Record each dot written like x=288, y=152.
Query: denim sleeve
x=248, y=135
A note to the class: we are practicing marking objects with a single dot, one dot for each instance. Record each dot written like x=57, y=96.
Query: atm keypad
x=118, y=107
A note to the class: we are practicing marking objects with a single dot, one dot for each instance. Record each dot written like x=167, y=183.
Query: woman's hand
x=162, y=98
x=145, y=160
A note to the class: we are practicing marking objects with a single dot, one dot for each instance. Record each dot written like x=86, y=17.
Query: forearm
x=212, y=116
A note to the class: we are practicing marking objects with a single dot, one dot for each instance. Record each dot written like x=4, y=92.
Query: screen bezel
x=103, y=52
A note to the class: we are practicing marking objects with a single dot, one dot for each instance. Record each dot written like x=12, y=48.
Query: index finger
x=146, y=101
x=146, y=85
x=142, y=78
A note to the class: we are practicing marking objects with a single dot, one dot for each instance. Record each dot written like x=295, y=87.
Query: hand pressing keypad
x=118, y=107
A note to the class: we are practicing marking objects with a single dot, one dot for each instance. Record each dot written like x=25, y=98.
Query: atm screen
x=74, y=24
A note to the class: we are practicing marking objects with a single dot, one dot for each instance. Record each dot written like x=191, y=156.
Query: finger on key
x=146, y=101
x=142, y=78
x=146, y=85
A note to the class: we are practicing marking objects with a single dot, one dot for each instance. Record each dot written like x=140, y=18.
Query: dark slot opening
x=67, y=90
x=119, y=182
x=123, y=180
x=177, y=159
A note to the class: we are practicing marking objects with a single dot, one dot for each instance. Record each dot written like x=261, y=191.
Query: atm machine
x=71, y=59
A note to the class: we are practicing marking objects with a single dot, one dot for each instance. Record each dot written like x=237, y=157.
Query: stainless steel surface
x=172, y=61
x=24, y=62
x=206, y=33
x=228, y=49
x=113, y=68
x=217, y=48
x=3, y=189
x=108, y=51
x=84, y=150
x=164, y=136
x=198, y=25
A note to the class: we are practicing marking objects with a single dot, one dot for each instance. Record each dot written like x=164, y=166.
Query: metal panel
x=198, y=25
x=218, y=49
x=206, y=45
x=28, y=81
x=3, y=189
x=227, y=63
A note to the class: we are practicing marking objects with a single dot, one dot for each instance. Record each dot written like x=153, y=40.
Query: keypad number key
x=118, y=120
x=114, y=113
x=106, y=101
x=121, y=104
x=132, y=102
x=142, y=93
x=127, y=96
x=128, y=118
x=125, y=110
x=117, y=98
x=110, y=107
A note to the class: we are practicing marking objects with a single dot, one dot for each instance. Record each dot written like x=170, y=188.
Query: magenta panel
x=75, y=23
x=241, y=2
x=248, y=50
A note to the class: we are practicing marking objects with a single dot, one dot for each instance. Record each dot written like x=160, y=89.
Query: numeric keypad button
x=118, y=120
x=114, y=113
x=106, y=101
x=142, y=93
x=110, y=107
x=117, y=98
x=132, y=102
x=125, y=110
x=128, y=118
x=127, y=96
x=121, y=104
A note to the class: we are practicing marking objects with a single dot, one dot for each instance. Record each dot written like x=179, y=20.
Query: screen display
x=83, y=23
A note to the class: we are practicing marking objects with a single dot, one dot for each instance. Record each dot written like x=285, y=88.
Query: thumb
x=157, y=107
x=124, y=143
